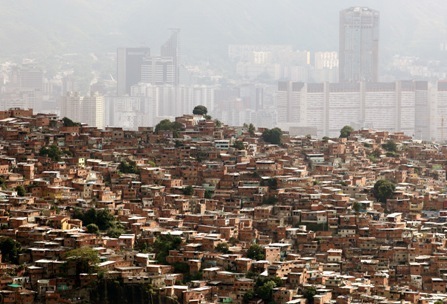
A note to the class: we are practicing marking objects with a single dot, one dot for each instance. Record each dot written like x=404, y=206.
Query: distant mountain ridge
x=29, y=27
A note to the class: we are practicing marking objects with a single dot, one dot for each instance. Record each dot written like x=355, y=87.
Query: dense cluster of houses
x=307, y=204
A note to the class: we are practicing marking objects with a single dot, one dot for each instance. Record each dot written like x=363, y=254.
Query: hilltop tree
x=200, y=110
x=273, y=136
x=383, y=190
x=346, y=131
x=69, y=123
x=217, y=123
x=167, y=125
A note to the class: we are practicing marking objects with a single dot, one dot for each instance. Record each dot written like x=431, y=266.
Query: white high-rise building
x=93, y=110
x=88, y=109
x=326, y=107
x=158, y=70
x=71, y=106
x=128, y=112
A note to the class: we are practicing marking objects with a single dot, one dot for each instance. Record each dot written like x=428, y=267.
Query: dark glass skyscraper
x=359, y=45
x=129, y=61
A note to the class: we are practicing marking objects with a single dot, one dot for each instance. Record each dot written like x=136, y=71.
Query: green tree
x=309, y=294
x=208, y=194
x=69, y=123
x=251, y=129
x=92, y=228
x=128, y=166
x=273, y=136
x=167, y=125
x=248, y=296
x=21, y=191
x=256, y=252
x=383, y=190
x=115, y=232
x=271, y=200
x=52, y=152
x=181, y=267
x=200, y=110
x=265, y=291
x=217, y=123
x=223, y=248
x=233, y=241
x=163, y=243
x=265, y=285
x=376, y=153
x=390, y=146
x=10, y=250
x=239, y=145
x=85, y=258
x=346, y=131
x=102, y=218
x=272, y=183
x=188, y=190
x=356, y=207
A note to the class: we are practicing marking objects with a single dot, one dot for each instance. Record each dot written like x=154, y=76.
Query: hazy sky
x=46, y=26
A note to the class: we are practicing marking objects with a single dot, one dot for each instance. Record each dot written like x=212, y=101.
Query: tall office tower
x=158, y=70
x=128, y=68
x=171, y=48
x=359, y=45
x=93, y=110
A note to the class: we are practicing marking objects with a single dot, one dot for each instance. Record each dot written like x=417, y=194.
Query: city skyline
x=146, y=86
